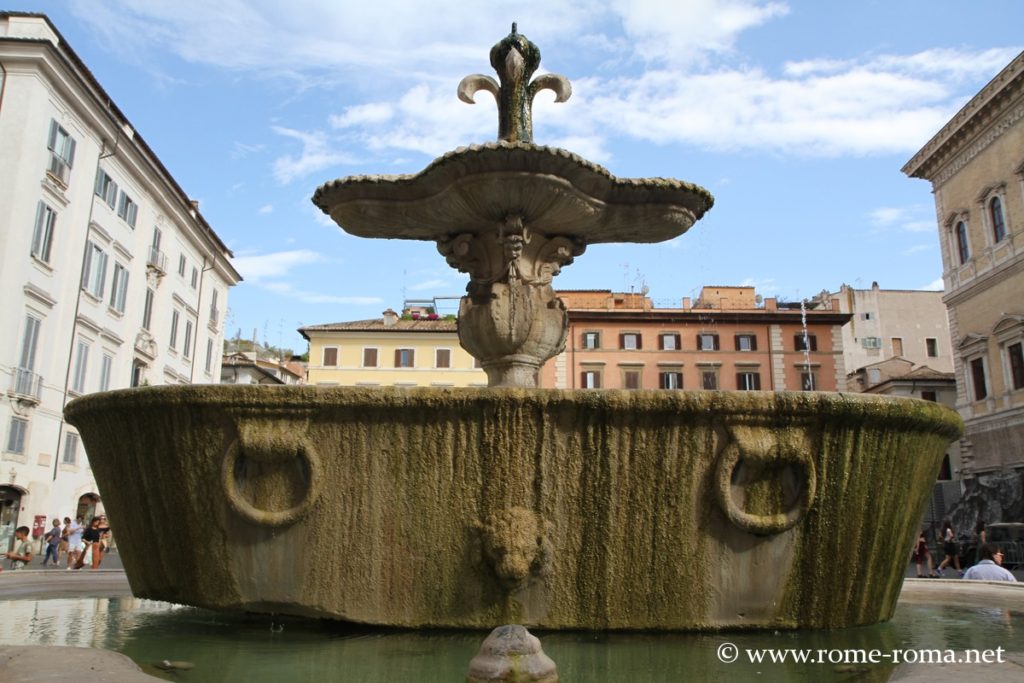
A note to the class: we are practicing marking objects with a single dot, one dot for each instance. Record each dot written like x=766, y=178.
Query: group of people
x=77, y=544
x=988, y=557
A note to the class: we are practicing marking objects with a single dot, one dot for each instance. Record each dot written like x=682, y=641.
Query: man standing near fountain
x=989, y=568
x=22, y=553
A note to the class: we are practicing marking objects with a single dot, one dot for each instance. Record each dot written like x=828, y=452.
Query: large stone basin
x=479, y=507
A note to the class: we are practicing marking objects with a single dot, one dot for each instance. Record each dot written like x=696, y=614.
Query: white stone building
x=112, y=277
x=892, y=323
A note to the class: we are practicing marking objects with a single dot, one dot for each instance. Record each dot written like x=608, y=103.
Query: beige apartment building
x=415, y=349
x=892, y=323
x=976, y=167
x=729, y=339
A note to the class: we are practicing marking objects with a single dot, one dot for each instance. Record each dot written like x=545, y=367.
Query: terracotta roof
x=377, y=325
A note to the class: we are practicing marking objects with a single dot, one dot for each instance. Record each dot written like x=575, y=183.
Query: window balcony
x=157, y=259
x=27, y=385
x=214, y=317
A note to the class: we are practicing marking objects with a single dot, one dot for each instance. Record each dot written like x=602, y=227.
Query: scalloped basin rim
x=552, y=184
x=780, y=406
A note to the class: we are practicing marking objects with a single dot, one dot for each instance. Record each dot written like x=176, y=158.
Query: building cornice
x=976, y=126
x=990, y=278
x=709, y=316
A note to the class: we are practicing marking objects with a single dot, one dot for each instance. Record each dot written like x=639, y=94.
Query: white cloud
x=267, y=208
x=918, y=248
x=906, y=219
x=274, y=265
x=372, y=113
x=316, y=155
x=935, y=285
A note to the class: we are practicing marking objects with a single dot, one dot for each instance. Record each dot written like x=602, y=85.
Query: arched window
x=961, y=242
x=995, y=208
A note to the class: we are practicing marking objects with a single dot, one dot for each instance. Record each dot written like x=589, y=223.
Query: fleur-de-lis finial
x=515, y=59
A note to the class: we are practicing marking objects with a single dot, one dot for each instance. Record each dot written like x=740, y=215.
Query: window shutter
x=715, y=338
x=622, y=341
x=71, y=152
x=813, y=341
x=736, y=341
x=753, y=342
x=699, y=347
x=757, y=381
x=639, y=341
x=398, y=358
x=739, y=381
x=583, y=380
x=661, y=343
x=51, y=141
x=98, y=187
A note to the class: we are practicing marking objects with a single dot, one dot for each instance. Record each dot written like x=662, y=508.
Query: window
x=119, y=288
x=181, y=265
x=669, y=341
x=961, y=242
x=209, y=356
x=808, y=381
x=147, y=309
x=709, y=380
x=707, y=342
x=748, y=381
x=866, y=316
x=70, y=448
x=590, y=379
x=746, y=342
x=591, y=340
x=442, y=358
x=127, y=209
x=897, y=346
x=805, y=342
x=929, y=395
x=978, y=379
x=331, y=356
x=370, y=358
x=932, y=347
x=405, y=358
x=42, y=234
x=138, y=372
x=1015, y=354
x=174, y=329
x=25, y=379
x=81, y=366
x=106, y=188
x=187, y=350
x=94, y=274
x=195, y=277
x=214, y=311
x=630, y=341
x=62, y=152
x=631, y=379
x=995, y=212
x=105, y=365
x=670, y=380
x=871, y=342
x=16, y=435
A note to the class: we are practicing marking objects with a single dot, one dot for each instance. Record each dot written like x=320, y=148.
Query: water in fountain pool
x=237, y=648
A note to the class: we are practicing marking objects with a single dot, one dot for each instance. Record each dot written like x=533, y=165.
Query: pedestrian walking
x=949, y=548
x=52, y=539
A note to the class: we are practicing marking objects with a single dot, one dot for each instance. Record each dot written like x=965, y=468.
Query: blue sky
x=797, y=115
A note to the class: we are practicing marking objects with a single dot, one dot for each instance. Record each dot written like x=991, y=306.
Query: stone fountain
x=479, y=507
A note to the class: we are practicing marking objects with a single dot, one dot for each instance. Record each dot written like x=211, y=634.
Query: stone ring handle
x=761, y=448
x=272, y=449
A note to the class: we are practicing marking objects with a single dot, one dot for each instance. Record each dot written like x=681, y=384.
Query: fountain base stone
x=480, y=507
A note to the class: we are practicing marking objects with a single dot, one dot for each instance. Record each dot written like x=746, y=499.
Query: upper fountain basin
x=471, y=189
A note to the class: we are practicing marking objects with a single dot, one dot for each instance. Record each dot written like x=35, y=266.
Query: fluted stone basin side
x=555, y=509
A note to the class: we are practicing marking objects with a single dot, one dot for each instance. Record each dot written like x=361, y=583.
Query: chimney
x=686, y=302
x=390, y=318
x=771, y=304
